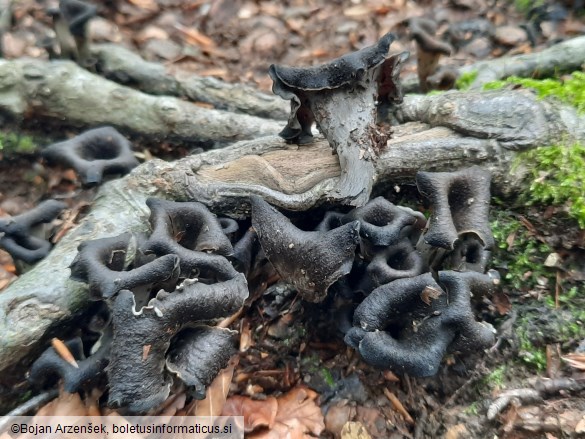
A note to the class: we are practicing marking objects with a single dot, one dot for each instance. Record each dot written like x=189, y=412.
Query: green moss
x=473, y=409
x=557, y=177
x=525, y=5
x=327, y=377
x=465, y=80
x=12, y=143
x=523, y=260
x=570, y=90
x=495, y=379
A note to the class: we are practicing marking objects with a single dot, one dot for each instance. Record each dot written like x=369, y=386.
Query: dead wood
x=128, y=68
x=63, y=92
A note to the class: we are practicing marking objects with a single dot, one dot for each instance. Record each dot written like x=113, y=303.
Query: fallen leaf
x=216, y=394
x=297, y=418
x=430, y=293
x=580, y=428
x=66, y=404
x=256, y=413
x=294, y=415
x=354, y=430
x=576, y=360
x=456, y=431
x=194, y=37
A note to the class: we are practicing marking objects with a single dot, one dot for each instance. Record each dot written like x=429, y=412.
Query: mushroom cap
x=423, y=32
x=77, y=14
x=336, y=73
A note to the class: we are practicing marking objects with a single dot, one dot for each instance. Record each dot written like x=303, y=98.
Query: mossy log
x=437, y=133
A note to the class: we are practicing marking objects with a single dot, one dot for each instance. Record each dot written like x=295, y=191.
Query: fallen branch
x=128, y=68
x=62, y=91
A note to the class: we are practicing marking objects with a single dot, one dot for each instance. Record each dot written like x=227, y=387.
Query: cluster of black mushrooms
x=411, y=282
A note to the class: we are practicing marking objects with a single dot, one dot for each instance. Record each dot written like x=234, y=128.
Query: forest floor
x=287, y=344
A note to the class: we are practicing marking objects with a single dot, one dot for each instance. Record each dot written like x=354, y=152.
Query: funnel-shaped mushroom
x=469, y=254
x=16, y=233
x=190, y=231
x=142, y=337
x=410, y=310
x=94, y=153
x=383, y=224
x=75, y=378
x=104, y=263
x=198, y=355
x=396, y=261
x=428, y=49
x=245, y=251
x=471, y=335
x=76, y=15
x=342, y=98
x=460, y=205
x=409, y=324
x=310, y=261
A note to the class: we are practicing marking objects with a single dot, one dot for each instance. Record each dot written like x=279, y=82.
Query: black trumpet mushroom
x=408, y=325
x=383, y=223
x=93, y=154
x=310, y=261
x=17, y=233
x=137, y=372
x=460, y=203
x=109, y=265
x=75, y=377
x=343, y=97
x=70, y=21
x=428, y=49
x=396, y=261
x=198, y=354
x=190, y=231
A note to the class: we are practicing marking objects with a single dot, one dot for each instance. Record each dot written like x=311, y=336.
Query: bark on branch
x=128, y=68
x=63, y=91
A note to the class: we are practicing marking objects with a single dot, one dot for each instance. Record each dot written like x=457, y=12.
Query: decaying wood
x=458, y=130
x=63, y=92
x=564, y=57
x=128, y=68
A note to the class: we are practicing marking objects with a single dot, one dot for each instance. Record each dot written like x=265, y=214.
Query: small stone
x=511, y=35
x=479, y=47
x=552, y=260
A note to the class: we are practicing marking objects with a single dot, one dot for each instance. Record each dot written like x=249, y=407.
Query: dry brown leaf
x=66, y=404
x=355, y=430
x=297, y=416
x=430, y=293
x=576, y=360
x=357, y=11
x=293, y=416
x=149, y=5
x=216, y=394
x=580, y=427
x=256, y=413
x=456, y=431
x=194, y=37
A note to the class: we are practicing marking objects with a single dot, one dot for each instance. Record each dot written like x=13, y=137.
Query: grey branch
x=62, y=91
x=126, y=67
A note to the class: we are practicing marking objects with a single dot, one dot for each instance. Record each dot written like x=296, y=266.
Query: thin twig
x=398, y=406
x=29, y=406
